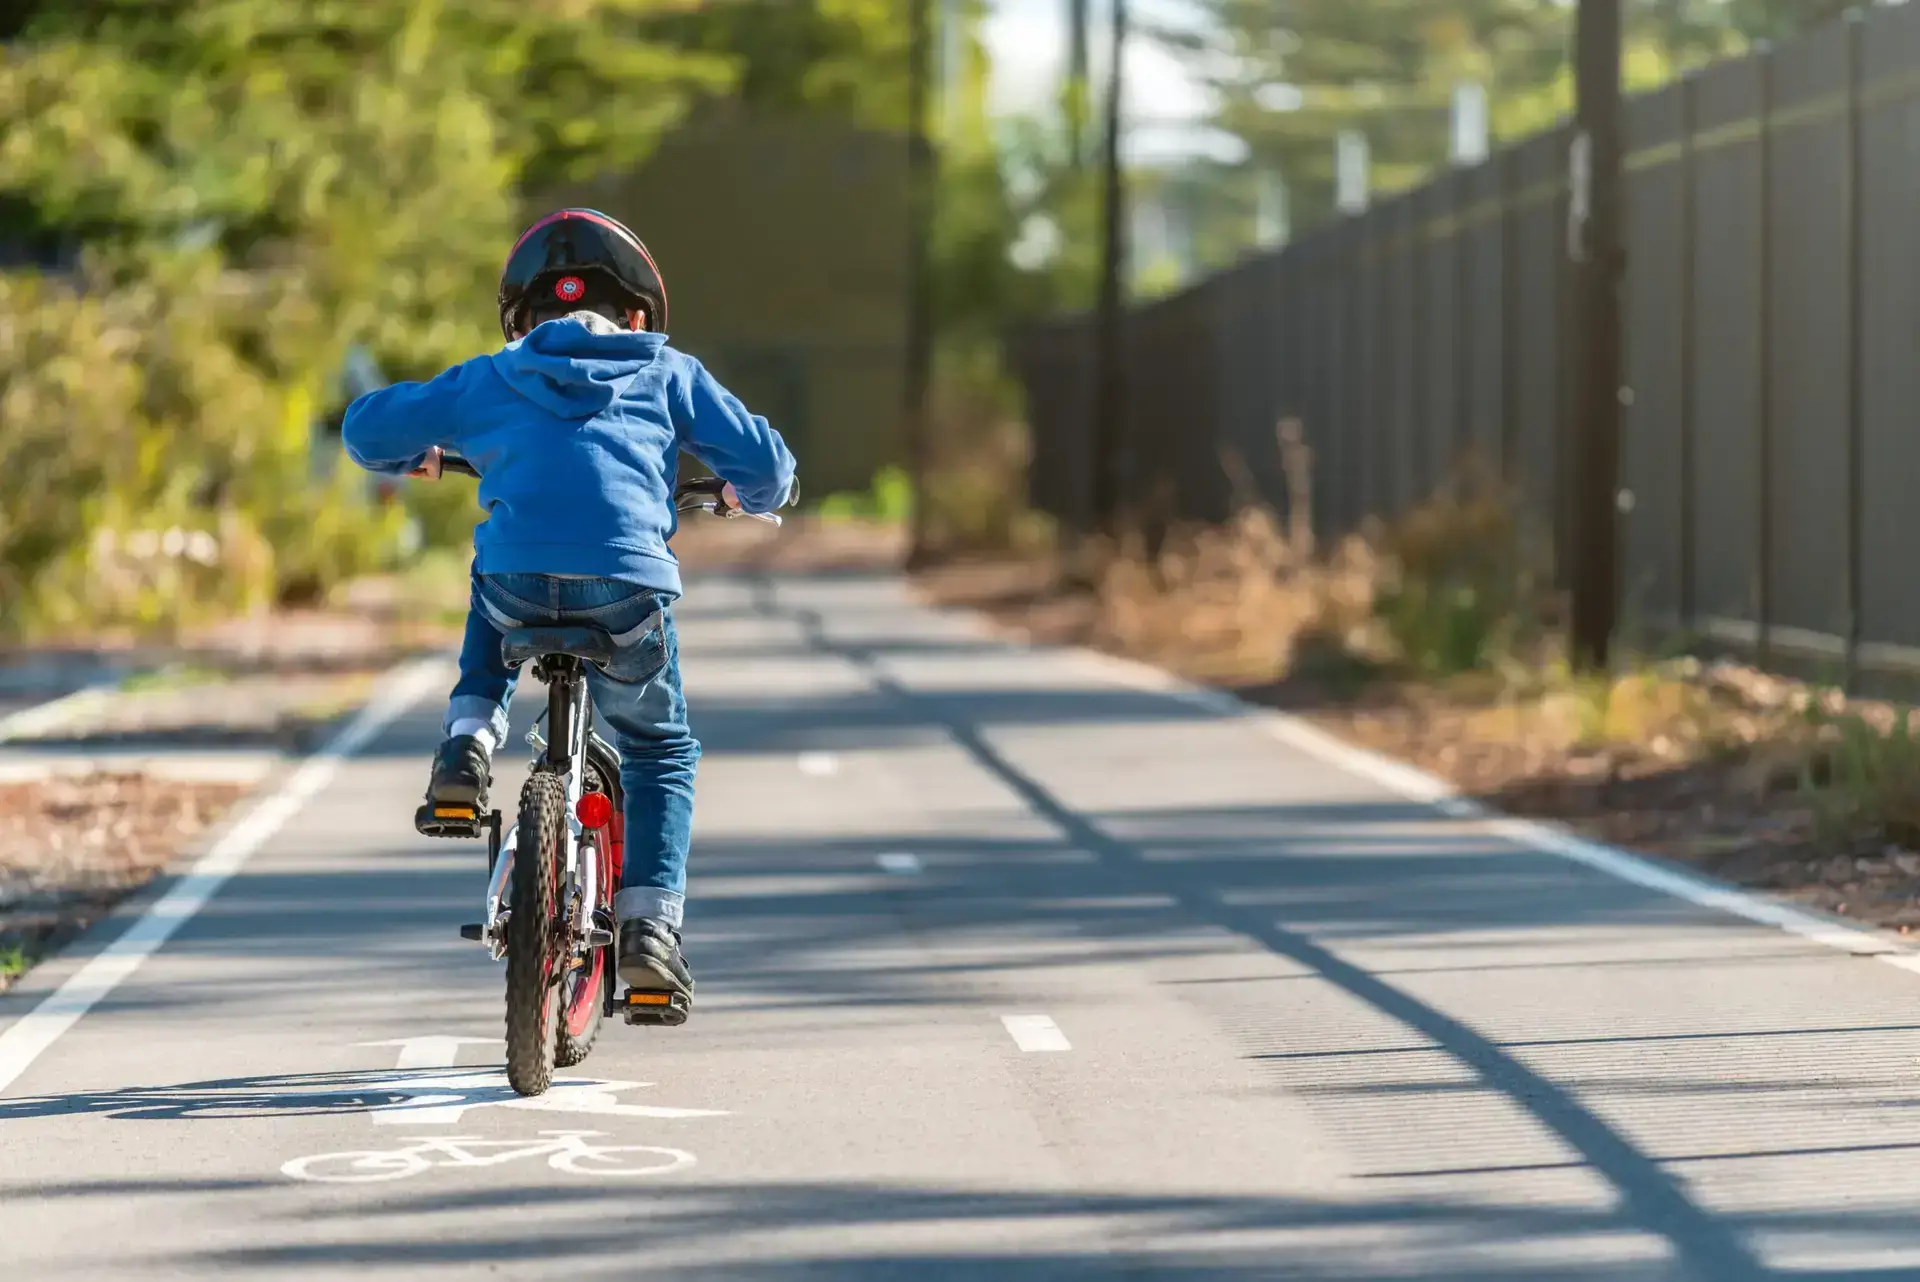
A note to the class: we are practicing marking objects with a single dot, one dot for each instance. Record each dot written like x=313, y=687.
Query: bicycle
x=562, y=856
x=565, y=1151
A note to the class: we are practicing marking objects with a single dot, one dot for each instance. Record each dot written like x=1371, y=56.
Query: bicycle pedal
x=475, y=931
x=447, y=821
x=599, y=937
x=667, y=1010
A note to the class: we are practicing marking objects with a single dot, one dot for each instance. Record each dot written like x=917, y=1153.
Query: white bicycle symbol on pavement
x=566, y=1151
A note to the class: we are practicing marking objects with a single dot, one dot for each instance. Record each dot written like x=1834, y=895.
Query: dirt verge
x=1710, y=768
x=71, y=848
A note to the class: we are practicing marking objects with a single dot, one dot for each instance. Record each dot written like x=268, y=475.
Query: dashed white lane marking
x=818, y=765
x=1035, y=1033
x=30, y=1036
x=899, y=862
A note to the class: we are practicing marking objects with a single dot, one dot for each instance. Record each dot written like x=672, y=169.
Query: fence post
x=1689, y=603
x=1594, y=221
x=1375, y=363
x=1463, y=326
x=1763, y=276
x=1352, y=377
x=1856, y=330
x=1509, y=317
x=921, y=178
x=1112, y=461
x=1421, y=425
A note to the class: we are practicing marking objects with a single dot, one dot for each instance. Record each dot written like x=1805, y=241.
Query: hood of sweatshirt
x=578, y=365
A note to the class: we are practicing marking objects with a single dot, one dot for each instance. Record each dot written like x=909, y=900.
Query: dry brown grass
x=1436, y=640
x=1230, y=603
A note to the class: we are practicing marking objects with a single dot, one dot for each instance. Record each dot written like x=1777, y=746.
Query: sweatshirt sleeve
x=740, y=447
x=389, y=430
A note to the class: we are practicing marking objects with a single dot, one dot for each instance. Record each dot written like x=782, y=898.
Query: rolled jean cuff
x=479, y=708
x=649, y=901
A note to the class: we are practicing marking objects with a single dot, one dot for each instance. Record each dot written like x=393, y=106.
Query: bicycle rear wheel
x=536, y=937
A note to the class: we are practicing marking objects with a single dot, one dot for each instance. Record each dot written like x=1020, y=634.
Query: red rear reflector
x=594, y=810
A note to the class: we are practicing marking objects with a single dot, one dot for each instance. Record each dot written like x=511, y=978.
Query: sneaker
x=650, y=957
x=461, y=773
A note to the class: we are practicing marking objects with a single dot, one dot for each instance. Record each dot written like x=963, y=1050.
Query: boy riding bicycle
x=576, y=427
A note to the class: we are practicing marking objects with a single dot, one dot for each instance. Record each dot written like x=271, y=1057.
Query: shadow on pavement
x=1113, y=889
x=1651, y=1198
x=795, y=1231
x=230, y=1099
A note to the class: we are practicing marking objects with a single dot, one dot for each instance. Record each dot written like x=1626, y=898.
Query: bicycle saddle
x=522, y=645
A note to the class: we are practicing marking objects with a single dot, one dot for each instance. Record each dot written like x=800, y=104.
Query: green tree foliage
x=1291, y=74
x=260, y=184
x=843, y=58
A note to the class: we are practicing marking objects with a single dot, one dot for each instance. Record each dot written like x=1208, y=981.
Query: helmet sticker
x=568, y=289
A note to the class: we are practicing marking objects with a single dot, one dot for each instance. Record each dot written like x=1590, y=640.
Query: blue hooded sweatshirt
x=576, y=431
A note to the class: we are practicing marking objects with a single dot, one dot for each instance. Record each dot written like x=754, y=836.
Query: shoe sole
x=458, y=795
x=650, y=976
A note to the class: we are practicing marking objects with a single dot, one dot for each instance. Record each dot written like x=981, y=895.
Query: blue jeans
x=638, y=695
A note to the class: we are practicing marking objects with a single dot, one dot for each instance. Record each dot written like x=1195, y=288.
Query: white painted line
x=39, y=1028
x=1417, y=785
x=897, y=861
x=37, y=766
x=43, y=718
x=1035, y=1033
x=818, y=765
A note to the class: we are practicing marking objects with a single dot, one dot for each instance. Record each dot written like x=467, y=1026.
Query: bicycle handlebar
x=700, y=494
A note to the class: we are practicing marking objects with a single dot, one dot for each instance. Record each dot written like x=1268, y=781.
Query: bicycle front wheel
x=536, y=937
x=626, y=1159
x=365, y=1167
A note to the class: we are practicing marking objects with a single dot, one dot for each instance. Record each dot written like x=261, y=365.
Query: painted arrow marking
x=435, y=1093
x=431, y=1052
x=442, y=1098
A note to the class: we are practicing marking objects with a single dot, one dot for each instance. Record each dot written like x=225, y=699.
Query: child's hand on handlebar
x=429, y=469
x=729, y=497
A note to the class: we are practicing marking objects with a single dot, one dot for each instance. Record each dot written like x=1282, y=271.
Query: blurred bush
x=256, y=186
x=977, y=466
x=1462, y=583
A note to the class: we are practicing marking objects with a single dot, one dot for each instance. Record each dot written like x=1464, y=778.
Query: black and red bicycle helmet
x=572, y=255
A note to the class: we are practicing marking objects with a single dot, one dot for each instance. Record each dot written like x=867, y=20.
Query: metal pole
x=1763, y=375
x=1509, y=163
x=1594, y=225
x=1110, y=461
x=1689, y=461
x=1856, y=354
x=1077, y=19
x=919, y=353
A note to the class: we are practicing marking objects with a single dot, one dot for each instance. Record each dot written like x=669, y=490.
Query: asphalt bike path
x=1013, y=964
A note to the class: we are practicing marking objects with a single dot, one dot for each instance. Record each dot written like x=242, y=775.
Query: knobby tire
x=537, y=943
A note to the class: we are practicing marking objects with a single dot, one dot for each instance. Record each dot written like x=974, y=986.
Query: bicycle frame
x=569, y=720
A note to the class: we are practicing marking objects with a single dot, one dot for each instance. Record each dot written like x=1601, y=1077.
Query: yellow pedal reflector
x=649, y=999
x=453, y=812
